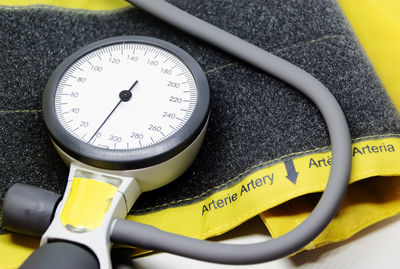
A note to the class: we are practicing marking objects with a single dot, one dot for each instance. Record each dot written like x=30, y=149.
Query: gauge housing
x=130, y=159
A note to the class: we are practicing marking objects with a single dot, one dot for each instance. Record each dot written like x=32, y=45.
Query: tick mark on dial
x=102, y=146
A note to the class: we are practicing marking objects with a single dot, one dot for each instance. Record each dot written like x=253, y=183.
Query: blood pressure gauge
x=132, y=105
x=128, y=115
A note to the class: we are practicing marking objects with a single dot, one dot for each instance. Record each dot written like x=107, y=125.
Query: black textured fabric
x=254, y=117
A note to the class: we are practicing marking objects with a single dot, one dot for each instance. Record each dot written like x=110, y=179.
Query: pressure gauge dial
x=126, y=103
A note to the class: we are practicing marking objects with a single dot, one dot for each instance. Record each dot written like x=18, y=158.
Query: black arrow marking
x=292, y=174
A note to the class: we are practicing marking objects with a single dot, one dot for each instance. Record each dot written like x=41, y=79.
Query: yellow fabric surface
x=366, y=203
x=15, y=248
x=377, y=26
x=96, y=5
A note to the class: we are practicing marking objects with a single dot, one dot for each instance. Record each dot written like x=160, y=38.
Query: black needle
x=124, y=96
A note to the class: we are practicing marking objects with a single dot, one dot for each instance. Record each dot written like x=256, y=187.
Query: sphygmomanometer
x=128, y=115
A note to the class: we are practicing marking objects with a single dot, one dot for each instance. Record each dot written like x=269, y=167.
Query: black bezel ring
x=132, y=158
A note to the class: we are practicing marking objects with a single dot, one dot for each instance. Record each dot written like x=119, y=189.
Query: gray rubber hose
x=144, y=236
x=28, y=209
x=61, y=255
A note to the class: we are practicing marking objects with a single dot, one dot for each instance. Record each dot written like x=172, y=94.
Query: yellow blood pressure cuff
x=266, y=143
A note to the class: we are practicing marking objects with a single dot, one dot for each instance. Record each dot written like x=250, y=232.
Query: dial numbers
x=160, y=104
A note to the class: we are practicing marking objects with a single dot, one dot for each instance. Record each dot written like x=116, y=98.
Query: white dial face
x=125, y=96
